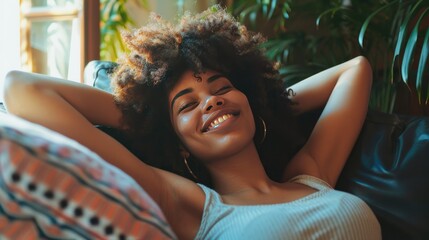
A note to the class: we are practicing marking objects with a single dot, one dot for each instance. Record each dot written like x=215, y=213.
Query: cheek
x=183, y=127
x=248, y=109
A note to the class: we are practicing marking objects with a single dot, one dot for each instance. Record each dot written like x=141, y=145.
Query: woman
x=201, y=101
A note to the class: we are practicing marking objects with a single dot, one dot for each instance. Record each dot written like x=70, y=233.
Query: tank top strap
x=311, y=181
x=212, y=197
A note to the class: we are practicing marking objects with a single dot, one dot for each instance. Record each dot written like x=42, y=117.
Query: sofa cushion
x=53, y=187
x=388, y=169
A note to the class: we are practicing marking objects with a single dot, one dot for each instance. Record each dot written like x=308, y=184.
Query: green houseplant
x=294, y=49
x=393, y=35
x=113, y=19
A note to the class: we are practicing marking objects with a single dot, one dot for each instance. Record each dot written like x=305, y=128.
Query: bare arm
x=24, y=97
x=72, y=109
x=344, y=92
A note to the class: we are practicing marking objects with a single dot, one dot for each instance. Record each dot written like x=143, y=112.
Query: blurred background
x=59, y=37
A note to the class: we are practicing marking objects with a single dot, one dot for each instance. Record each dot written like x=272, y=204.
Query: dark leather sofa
x=388, y=167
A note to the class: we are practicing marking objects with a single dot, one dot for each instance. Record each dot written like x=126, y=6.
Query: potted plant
x=393, y=35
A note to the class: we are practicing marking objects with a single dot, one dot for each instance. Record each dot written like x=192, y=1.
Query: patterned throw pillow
x=51, y=187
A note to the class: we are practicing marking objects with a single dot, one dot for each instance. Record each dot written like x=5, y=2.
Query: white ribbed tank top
x=325, y=214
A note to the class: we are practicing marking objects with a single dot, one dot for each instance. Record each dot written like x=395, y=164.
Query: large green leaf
x=369, y=18
x=423, y=93
x=403, y=28
x=409, y=49
x=401, y=34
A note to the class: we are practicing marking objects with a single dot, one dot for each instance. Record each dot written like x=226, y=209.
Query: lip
x=215, y=115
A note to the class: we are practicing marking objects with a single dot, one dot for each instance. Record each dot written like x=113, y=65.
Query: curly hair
x=161, y=52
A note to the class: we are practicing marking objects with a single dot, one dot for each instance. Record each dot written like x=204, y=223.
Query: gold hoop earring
x=189, y=169
x=264, y=135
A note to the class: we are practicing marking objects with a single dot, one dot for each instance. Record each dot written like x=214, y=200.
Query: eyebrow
x=179, y=94
x=214, y=77
x=189, y=90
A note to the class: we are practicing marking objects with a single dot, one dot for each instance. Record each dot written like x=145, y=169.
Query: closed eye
x=186, y=106
x=224, y=89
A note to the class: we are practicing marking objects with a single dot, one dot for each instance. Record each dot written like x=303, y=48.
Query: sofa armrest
x=97, y=73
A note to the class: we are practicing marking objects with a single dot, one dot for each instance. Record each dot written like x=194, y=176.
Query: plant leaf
x=265, y=7
x=423, y=94
x=285, y=10
x=401, y=36
x=331, y=10
x=294, y=73
x=247, y=13
x=272, y=9
x=403, y=28
x=406, y=61
x=368, y=20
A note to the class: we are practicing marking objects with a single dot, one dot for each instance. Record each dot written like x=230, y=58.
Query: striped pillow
x=53, y=187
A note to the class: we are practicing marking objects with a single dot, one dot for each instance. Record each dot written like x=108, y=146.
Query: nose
x=213, y=102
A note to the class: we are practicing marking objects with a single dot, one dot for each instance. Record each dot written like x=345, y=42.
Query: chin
x=229, y=146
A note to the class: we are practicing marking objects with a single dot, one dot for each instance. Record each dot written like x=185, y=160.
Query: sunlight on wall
x=9, y=40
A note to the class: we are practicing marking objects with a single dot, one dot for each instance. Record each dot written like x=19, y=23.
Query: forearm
x=343, y=92
x=314, y=92
x=34, y=96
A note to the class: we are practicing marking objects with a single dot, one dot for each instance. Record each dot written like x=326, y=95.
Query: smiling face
x=211, y=117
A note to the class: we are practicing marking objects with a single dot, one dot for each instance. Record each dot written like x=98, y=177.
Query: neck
x=240, y=173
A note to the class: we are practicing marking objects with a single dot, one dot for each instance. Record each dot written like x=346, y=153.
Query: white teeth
x=220, y=120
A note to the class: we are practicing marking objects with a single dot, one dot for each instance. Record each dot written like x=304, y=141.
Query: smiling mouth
x=218, y=121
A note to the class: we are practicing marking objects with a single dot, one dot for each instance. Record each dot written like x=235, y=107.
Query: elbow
x=364, y=70
x=14, y=88
x=13, y=80
x=10, y=84
x=363, y=64
x=362, y=61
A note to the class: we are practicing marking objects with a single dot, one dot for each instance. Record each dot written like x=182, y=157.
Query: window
x=51, y=37
x=55, y=37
